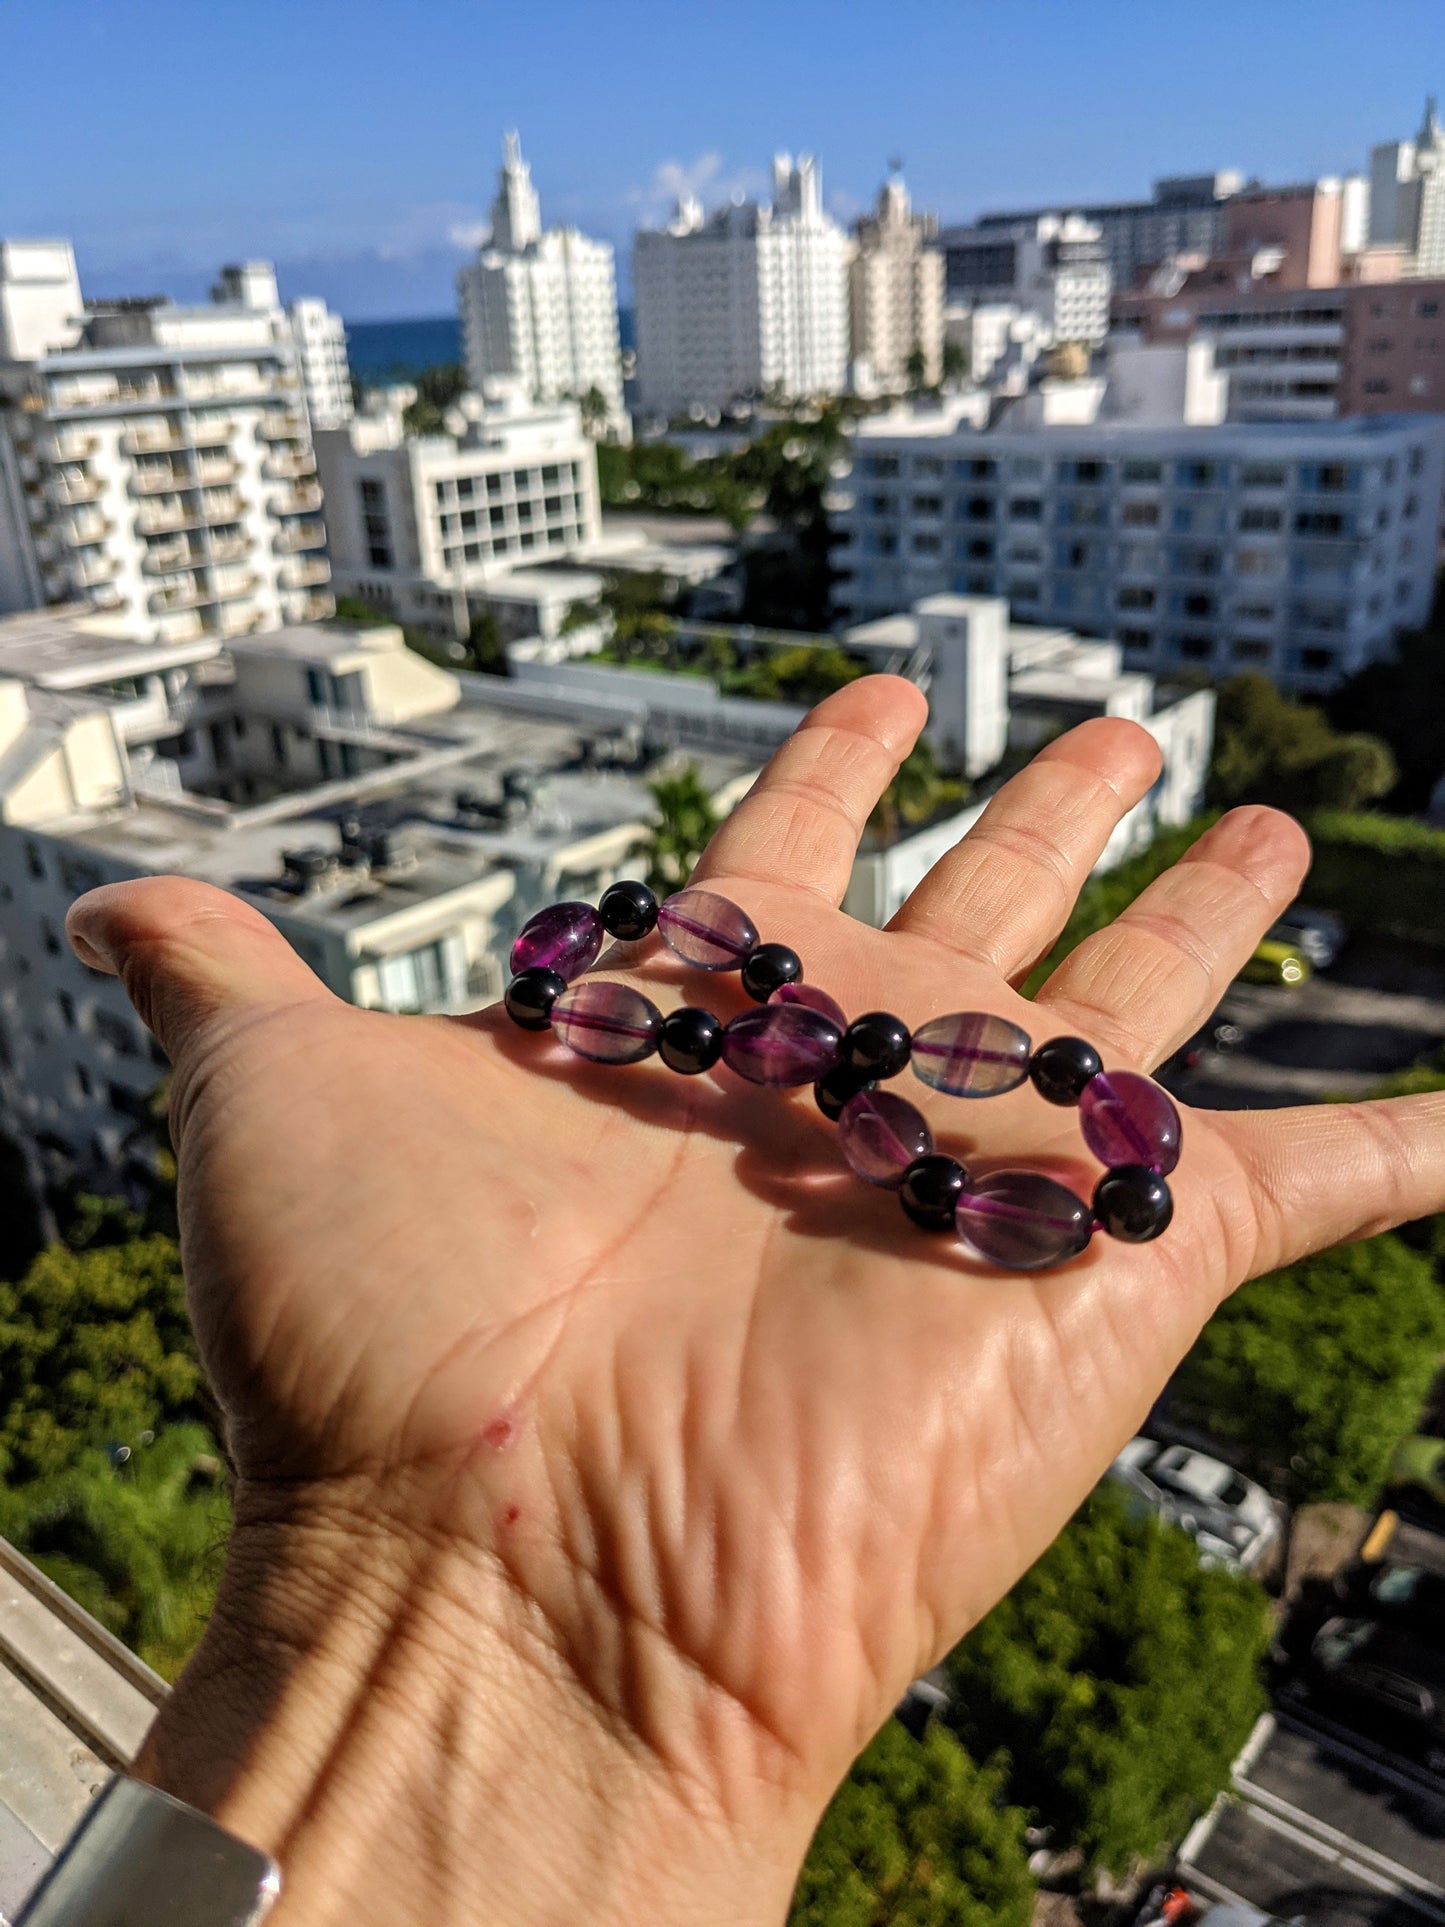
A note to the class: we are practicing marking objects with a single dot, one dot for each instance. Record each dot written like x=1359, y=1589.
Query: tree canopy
x=1269, y=749
x=436, y=389
x=918, y=1835
x=685, y=821
x=1318, y=1371
x=1402, y=700
x=1119, y=1678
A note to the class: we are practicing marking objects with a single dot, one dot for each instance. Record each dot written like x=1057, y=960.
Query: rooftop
x=70, y=648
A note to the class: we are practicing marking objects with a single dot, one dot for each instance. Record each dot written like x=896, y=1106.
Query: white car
x=1232, y=1520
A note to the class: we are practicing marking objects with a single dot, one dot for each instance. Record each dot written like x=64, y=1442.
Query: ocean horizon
x=398, y=350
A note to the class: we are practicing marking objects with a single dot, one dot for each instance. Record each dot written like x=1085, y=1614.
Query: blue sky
x=356, y=141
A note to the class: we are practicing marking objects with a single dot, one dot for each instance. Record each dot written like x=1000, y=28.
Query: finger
x=1003, y=893
x=1325, y=1173
x=801, y=821
x=187, y=954
x=1149, y=980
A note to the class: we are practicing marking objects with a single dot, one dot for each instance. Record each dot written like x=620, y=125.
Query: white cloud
x=469, y=234
x=707, y=177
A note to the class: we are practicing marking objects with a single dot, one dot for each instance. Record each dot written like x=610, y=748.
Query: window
x=1250, y=650
x=132, y=1104
x=1254, y=612
x=927, y=545
x=421, y=979
x=1262, y=475
x=1427, y=310
x=1258, y=519
x=929, y=465
x=1198, y=474
x=78, y=875
x=1318, y=660
x=880, y=465
x=1377, y=387
x=1319, y=522
x=1133, y=596
x=1137, y=638
x=980, y=549
x=881, y=505
x=1026, y=508
x=116, y=1032
x=34, y=862
x=1143, y=471
x=1197, y=648
x=1140, y=515
x=66, y=1004
x=49, y=937
x=927, y=505
x=84, y=1083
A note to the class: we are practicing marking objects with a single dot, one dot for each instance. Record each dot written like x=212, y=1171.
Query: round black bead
x=628, y=910
x=876, y=1044
x=769, y=966
x=691, y=1040
x=531, y=995
x=931, y=1189
x=835, y=1087
x=1133, y=1203
x=1062, y=1067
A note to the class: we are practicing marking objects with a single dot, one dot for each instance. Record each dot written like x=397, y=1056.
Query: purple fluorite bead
x=1127, y=1119
x=781, y=1044
x=1022, y=1220
x=565, y=938
x=814, y=998
x=607, y=1022
x=706, y=930
x=971, y=1054
x=881, y=1135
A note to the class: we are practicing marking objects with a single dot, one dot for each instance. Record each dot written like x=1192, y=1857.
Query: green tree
x=1402, y=700
x=919, y=788
x=1120, y=1677
x=1319, y=1370
x=1269, y=749
x=918, y=1835
x=436, y=390
x=94, y=1346
x=955, y=361
x=486, y=650
x=137, y=1540
x=685, y=820
x=594, y=412
x=915, y=369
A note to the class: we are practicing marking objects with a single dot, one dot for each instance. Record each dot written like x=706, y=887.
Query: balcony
x=152, y=441
x=78, y=530
x=230, y=548
x=280, y=428
x=67, y=445
x=241, y=622
x=296, y=501
x=163, y=479
x=211, y=431
x=235, y=588
x=165, y=518
x=221, y=505
x=317, y=608
x=89, y=571
x=70, y=489
x=210, y=472
x=168, y=558
x=288, y=467
x=180, y=595
x=301, y=535
x=305, y=575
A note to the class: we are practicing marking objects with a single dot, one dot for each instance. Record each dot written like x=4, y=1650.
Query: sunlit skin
x=609, y=1457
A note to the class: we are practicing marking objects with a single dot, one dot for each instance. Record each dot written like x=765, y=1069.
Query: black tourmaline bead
x=931, y=1189
x=531, y=995
x=628, y=911
x=769, y=966
x=876, y=1044
x=691, y=1040
x=1132, y=1203
x=835, y=1087
x=1062, y=1067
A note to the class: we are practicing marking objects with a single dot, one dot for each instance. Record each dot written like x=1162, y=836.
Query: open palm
x=748, y=1447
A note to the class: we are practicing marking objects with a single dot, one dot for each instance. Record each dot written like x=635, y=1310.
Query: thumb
x=187, y=955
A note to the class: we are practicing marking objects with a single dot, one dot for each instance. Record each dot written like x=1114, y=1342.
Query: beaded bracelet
x=1018, y=1219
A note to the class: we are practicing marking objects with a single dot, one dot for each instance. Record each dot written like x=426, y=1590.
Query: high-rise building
x=428, y=527
x=1185, y=216
x=1055, y=266
x=540, y=308
x=751, y=301
x=319, y=335
x=895, y=293
x=1298, y=549
x=1407, y=195
x=159, y=468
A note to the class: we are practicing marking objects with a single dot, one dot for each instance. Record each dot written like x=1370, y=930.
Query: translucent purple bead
x=706, y=930
x=606, y=1022
x=1127, y=1119
x=881, y=1135
x=814, y=998
x=1022, y=1220
x=781, y=1044
x=971, y=1054
x=565, y=938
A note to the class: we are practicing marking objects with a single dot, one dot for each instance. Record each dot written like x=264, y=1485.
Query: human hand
x=609, y=1457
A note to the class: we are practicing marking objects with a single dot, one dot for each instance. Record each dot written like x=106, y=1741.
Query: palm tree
x=685, y=821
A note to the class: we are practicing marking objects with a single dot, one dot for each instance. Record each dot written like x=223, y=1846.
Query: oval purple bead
x=971, y=1054
x=781, y=1044
x=1023, y=1220
x=606, y=1022
x=815, y=999
x=706, y=930
x=881, y=1134
x=565, y=937
x=1127, y=1119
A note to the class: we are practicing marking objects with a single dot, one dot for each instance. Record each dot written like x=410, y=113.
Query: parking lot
x=1377, y=1009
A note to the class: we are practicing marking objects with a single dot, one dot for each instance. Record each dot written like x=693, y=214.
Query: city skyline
x=323, y=184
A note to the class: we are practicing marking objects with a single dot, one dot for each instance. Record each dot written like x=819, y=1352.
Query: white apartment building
x=1407, y=196
x=159, y=468
x=895, y=294
x=541, y=308
x=433, y=528
x=1054, y=265
x=396, y=826
x=1299, y=549
x=319, y=335
x=751, y=301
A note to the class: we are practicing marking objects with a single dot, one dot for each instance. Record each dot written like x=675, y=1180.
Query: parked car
x=1418, y=1470
x=1387, y=1674
x=1320, y=934
x=1232, y=1520
x=1217, y=1035
x=1276, y=963
x=1408, y=1596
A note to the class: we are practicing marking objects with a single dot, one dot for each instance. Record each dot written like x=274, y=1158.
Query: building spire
x=516, y=212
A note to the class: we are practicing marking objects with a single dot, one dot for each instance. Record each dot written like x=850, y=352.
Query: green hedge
x=1384, y=874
